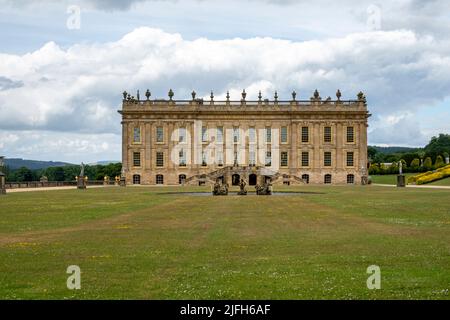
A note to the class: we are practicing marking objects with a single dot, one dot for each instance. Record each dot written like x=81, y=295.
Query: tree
x=438, y=145
x=371, y=153
x=59, y=174
x=410, y=156
x=415, y=164
x=428, y=164
x=54, y=173
x=24, y=174
x=393, y=168
x=439, y=162
x=374, y=169
x=10, y=174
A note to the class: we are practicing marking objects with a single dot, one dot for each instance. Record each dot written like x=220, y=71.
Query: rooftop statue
x=316, y=94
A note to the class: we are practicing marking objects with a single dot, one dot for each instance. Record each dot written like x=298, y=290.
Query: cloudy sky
x=62, y=73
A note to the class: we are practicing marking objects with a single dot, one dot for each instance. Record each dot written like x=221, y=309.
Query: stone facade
x=315, y=141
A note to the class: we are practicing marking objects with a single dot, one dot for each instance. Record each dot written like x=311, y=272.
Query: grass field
x=442, y=182
x=151, y=243
x=388, y=178
x=392, y=179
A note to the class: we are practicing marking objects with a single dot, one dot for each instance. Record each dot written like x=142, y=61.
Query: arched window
x=136, y=179
x=327, y=179
x=181, y=178
x=159, y=179
x=235, y=179
x=305, y=178
x=350, y=179
x=252, y=179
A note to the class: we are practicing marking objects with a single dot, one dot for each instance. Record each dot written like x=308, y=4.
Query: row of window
x=327, y=179
x=284, y=161
x=305, y=136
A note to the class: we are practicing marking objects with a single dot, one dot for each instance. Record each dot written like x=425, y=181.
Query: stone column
x=2, y=183
x=2, y=178
x=125, y=163
x=363, y=151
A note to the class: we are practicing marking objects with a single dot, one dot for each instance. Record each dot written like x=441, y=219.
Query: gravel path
x=45, y=189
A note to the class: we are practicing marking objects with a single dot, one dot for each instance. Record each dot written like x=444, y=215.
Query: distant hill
x=103, y=163
x=33, y=164
x=391, y=150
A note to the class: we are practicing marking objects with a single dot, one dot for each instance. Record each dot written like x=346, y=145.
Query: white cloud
x=400, y=129
x=78, y=89
x=69, y=147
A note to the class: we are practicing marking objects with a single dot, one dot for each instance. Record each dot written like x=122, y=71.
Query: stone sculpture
x=242, y=189
x=220, y=189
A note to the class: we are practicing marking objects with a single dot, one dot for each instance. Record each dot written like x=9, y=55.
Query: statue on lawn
x=82, y=170
x=265, y=189
x=81, y=180
x=220, y=189
x=243, y=190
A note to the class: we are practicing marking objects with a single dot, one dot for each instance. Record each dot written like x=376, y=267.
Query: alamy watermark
x=73, y=22
x=373, y=17
x=74, y=280
x=374, y=280
x=228, y=146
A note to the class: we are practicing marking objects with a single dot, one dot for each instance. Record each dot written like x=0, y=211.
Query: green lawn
x=146, y=243
x=442, y=182
x=388, y=178
x=392, y=179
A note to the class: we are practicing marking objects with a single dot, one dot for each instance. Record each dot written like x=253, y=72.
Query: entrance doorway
x=235, y=179
x=252, y=179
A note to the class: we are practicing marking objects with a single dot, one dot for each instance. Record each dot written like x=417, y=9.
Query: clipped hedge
x=430, y=176
x=413, y=179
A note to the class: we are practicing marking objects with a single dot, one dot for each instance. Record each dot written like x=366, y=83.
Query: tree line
x=431, y=157
x=64, y=173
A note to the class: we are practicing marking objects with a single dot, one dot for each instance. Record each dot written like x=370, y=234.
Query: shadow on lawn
x=209, y=194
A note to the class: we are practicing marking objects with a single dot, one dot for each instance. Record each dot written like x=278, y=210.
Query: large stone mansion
x=197, y=141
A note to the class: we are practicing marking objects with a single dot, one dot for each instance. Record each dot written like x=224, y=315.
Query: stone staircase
x=212, y=176
x=292, y=179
